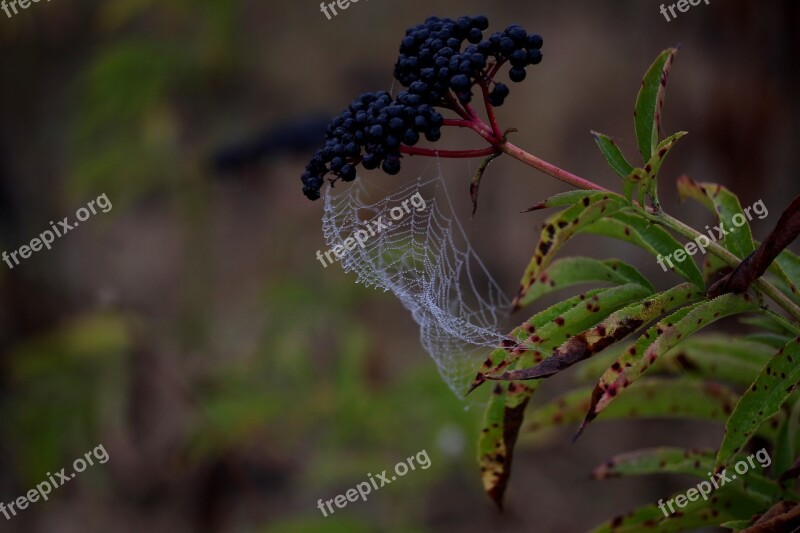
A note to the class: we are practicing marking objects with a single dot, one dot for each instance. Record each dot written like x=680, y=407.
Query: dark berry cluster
x=432, y=61
x=437, y=73
x=370, y=132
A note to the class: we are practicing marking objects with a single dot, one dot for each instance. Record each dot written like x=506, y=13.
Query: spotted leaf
x=560, y=228
x=616, y=327
x=658, y=340
x=777, y=380
x=725, y=205
x=649, y=103
x=571, y=271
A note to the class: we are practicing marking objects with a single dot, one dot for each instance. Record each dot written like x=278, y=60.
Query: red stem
x=458, y=154
x=490, y=110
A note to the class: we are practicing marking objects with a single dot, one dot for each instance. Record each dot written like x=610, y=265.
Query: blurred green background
x=192, y=332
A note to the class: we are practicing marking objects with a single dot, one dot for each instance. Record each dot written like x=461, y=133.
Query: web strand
x=426, y=260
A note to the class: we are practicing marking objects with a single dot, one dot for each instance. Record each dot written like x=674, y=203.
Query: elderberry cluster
x=434, y=69
x=370, y=132
x=432, y=62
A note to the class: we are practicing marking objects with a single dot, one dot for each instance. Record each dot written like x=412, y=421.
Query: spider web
x=425, y=259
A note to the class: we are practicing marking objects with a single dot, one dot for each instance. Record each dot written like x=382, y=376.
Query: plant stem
x=732, y=261
x=548, y=168
x=458, y=154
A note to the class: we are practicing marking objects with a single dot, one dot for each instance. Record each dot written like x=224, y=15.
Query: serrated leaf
x=571, y=271
x=612, y=153
x=616, y=327
x=669, y=332
x=777, y=380
x=653, y=239
x=651, y=398
x=513, y=349
x=725, y=205
x=657, y=461
x=540, y=342
x=650, y=101
x=559, y=228
x=507, y=402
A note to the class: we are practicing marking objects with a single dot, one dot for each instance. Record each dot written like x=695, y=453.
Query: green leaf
x=668, y=333
x=561, y=227
x=507, y=402
x=787, y=267
x=616, y=160
x=657, y=461
x=778, y=379
x=540, y=342
x=502, y=422
x=571, y=271
x=650, y=101
x=636, y=230
x=783, y=456
x=616, y=327
x=729, y=502
x=508, y=354
x=506, y=407
x=725, y=205
x=716, y=357
x=562, y=199
x=653, y=167
x=651, y=398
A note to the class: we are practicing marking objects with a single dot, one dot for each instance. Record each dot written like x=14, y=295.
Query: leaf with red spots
x=668, y=333
x=502, y=422
x=562, y=199
x=649, y=103
x=725, y=205
x=729, y=502
x=777, y=380
x=651, y=398
x=570, y=271
x=559, y=228
x=507, y=402
x=513, y=349
x=717, y=357
x=638, y=231
x=653, y=167
x=542, y=340
x=616, y=327
x=612, y=153
x=657, y=461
